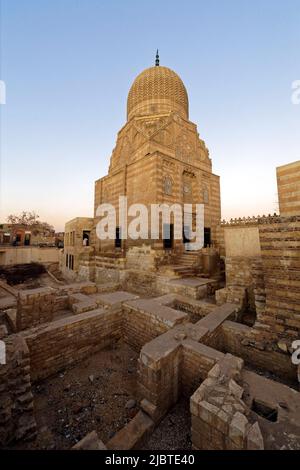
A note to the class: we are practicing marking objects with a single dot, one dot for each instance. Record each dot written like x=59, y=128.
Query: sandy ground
x=174, y=431
x=90, y=396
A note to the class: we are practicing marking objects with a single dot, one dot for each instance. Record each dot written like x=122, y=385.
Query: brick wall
x=144, y=320
x=242, y=341
x=16, y=400
x=280, y=244
x=35, y=306
x=66, y=341
x=246, y=272
x=197, y=360
x=140, y=328
x=158, y=375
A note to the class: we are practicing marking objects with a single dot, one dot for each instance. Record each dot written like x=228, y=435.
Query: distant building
x=33, y=235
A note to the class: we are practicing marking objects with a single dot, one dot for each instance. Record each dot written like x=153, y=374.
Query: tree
x=28, y=219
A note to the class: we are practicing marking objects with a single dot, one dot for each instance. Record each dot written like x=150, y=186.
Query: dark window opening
x=86, y=238
x=168, y=236
x=207, y=237
x=118, y=241
x=71, y=262
x=27, y=239
x=265, y=411
x=6, y=238
x=67, y=260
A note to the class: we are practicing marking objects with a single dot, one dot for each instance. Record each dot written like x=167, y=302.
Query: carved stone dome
x=157, y=90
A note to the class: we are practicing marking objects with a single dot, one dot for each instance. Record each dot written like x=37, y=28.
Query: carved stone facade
x=158, y=158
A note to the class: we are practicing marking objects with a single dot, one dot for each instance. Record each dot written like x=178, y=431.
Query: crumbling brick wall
x=219, y=415
x=252, y=346
x=143, y=282
x=16, y=400
x=35, y=306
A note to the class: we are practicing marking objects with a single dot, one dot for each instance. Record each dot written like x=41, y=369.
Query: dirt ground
x=174, y=431
x=90, y=396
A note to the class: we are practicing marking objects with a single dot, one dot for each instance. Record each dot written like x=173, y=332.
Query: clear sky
x=68, y=66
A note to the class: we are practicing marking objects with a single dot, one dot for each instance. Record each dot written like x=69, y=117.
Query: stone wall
x=197, y=360
x=241, y=240
x=35, y=306
x=288, y=184
x=108, y=267
x=143, y=258
x=280, y=244
x=245, y=272
x=242, y=341
x=139, y=281
x=144, y=320
x=11, y=255
x=63, y=342
x=16, y=400
x=219, y=415
x=158, y=375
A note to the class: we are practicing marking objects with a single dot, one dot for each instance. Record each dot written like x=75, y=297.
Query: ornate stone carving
x=168, y=185
x=187, y=188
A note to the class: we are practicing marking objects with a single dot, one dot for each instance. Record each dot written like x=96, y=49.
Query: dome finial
x=157, y=58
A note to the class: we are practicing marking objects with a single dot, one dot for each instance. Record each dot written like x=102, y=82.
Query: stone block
x=133, y=434
x=90, y=442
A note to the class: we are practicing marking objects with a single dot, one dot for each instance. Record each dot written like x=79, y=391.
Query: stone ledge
x=133, y=434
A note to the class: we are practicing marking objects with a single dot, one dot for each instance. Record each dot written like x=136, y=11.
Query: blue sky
x=68, y=66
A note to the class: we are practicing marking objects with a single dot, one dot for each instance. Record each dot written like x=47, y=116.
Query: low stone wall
x=242, y=341
x=176, y=362
x=69, y=340
x=195, y=289
x=142, y=257
x=197, y=360
x=141, y=281
x=144, y=320
x=16, y=400
x=84, y=287
x=108, y=268
x=29, y=254
x=159, y=370
x=197, y=308
x=35, y=306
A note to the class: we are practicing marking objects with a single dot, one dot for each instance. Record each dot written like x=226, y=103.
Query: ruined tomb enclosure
x=176, y=354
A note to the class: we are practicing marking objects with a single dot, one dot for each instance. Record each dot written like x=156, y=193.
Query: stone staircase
x=185, y=265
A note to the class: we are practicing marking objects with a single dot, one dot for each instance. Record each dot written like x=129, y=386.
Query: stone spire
x=157, y=58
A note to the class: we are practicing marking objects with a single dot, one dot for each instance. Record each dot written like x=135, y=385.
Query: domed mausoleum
x=157, y=90
x=158, y=158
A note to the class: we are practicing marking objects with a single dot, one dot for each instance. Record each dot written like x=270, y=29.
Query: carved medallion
x=168, y=185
